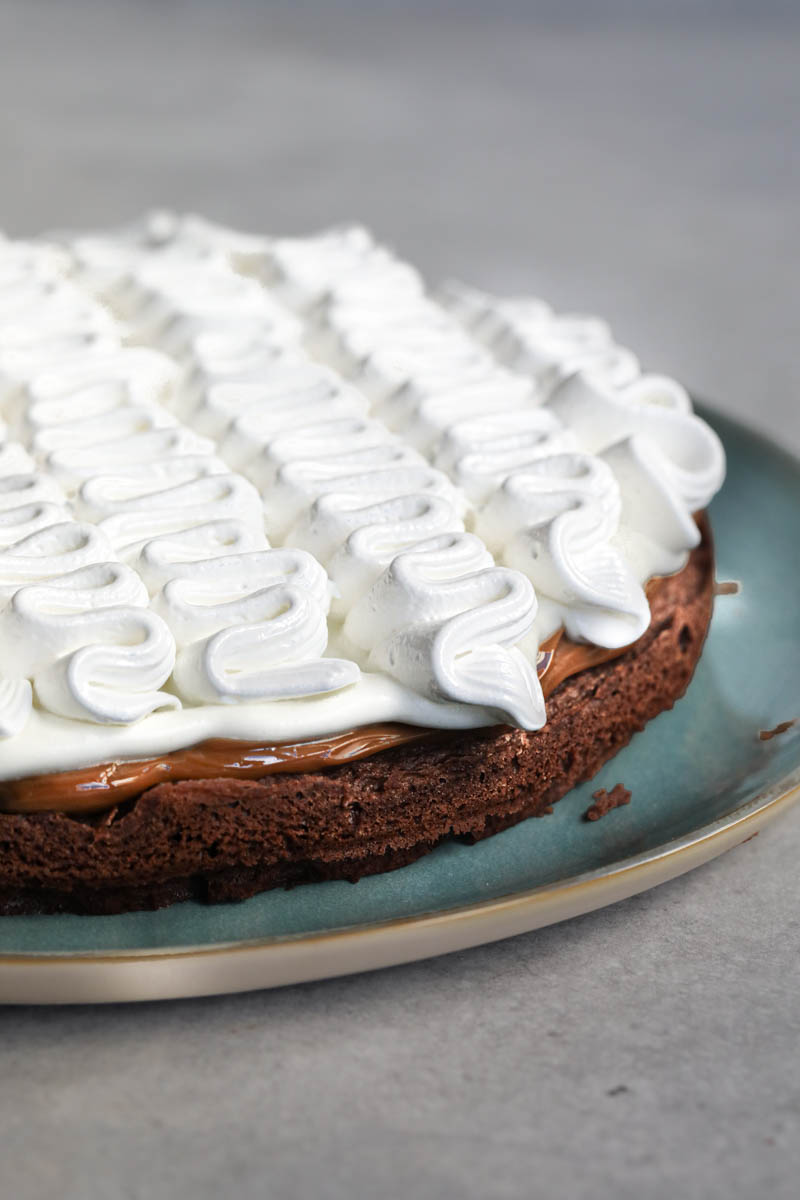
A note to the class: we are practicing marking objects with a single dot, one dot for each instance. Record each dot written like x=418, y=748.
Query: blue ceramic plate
x=701, y=778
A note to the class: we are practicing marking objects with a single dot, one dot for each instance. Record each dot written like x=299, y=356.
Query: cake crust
x=227, y=839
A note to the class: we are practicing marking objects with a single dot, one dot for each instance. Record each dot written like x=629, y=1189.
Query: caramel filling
x=93, y=789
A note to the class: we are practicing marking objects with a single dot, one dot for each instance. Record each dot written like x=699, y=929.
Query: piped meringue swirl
x=90, y=646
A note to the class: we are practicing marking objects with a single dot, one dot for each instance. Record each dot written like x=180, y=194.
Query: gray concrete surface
x=643, y=164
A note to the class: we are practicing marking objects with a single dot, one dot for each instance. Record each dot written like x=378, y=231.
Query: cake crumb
x=604, y=802
x=767, y=735
x=727, y=587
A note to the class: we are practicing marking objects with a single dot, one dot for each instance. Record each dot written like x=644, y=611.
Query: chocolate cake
x=485, y=570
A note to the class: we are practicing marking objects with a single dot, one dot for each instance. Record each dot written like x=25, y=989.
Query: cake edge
x=371, y=816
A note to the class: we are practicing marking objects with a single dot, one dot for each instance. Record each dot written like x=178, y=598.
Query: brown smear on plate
x=766, y=735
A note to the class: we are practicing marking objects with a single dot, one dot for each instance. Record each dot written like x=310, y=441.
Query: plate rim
x=770, y=802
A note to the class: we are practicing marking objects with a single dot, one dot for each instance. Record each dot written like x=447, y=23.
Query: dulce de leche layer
x=93, y=789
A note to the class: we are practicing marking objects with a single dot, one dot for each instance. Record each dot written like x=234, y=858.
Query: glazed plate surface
x=702, y=782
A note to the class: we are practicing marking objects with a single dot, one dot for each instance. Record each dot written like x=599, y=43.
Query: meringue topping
x=272, y=488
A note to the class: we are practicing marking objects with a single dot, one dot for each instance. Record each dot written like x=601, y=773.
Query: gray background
x=639, y=160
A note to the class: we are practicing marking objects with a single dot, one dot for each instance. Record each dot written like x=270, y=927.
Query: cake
x=305, y=569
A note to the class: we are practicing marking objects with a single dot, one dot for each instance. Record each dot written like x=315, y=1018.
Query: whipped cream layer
x=271, y=489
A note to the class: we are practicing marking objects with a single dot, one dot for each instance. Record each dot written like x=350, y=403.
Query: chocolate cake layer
x=226, y=839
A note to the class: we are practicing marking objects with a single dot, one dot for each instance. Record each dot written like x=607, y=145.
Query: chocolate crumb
x=727, y=587
x=767, y=735
x=604, y=802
